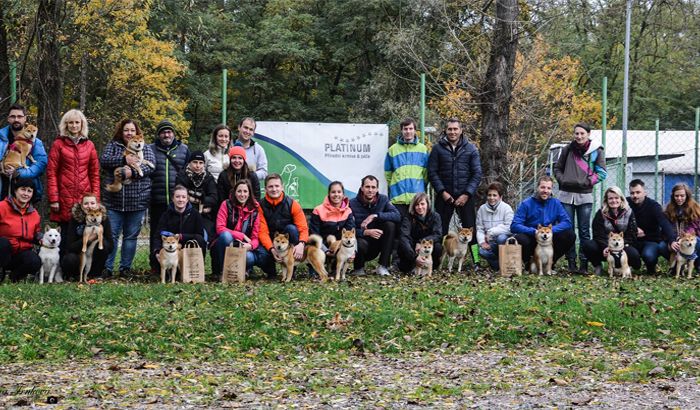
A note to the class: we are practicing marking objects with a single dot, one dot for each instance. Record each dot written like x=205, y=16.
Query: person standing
x=17, y=120
x=406, y=167
x=255, y=154
x=216, y=156
x=454, y=170
x=581, y=165
x=171, y=157
x=73, y=168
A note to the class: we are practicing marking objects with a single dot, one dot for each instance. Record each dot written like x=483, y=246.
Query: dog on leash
x=49, y=254
x=344, y=250
x=456, y=246
x=93, y=226
x=686, y=256
x=135, y=146
x=169, y=257
x=617, y=257
x=424, y=258
x=544, y=251
x=313, y=255
x=18, y=152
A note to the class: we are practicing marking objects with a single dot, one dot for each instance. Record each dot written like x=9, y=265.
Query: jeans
x=130, y=224
x=264, y=259
x=219, y=251
x=650, y=252
x=491, y=255
x=583, y=220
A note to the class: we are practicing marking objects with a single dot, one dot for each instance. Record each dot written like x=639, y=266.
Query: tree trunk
x=49, y=84
x=4, y=68
x=496, y=94
x=83, y=82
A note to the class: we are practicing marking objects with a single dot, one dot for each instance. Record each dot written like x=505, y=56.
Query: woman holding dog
x=238, y=220
x=617, y=217
x=73, y=168
x=216, y=156
x=238, y=169
x=684, y=213
x=126, y=207
x=72, y=241
x=420, y=224
x=20, y=226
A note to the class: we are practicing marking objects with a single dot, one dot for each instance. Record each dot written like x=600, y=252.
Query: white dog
x=49, y=255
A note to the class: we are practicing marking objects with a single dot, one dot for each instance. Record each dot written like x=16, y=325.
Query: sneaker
x=382, y=271
x=358, y=272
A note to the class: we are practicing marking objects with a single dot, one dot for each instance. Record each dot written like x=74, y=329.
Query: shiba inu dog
x=344, y=250
x=456, y=246
x=424, y=258
x=544, y=251
x=686, y=256
x=18, y=152
x=617, y=257
x=93, y=226
x=169, y=257
x=313, y=255
x=134, y=146
x=49, y=254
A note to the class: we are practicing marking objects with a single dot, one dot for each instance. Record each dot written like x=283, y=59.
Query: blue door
x=672, y=179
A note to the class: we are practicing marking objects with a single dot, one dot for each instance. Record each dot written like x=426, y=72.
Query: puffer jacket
x=73, y=170
x=166, y=171
x=72, y=241
x=34, y=169
x=457, y=171
x=415, y=228
x=327, y=219
x=493, y=221
x=134, y=196
x=20, y=227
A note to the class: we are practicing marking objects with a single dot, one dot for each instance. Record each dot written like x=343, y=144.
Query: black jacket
x=204, y=192
x=188, y=224
x=457, y=171
x=603, y=225
x=72, y=239
x=415, y=228
x=223, y=185
x=653, y=221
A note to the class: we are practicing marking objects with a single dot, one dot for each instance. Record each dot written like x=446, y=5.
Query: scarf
x=197, y=179
x=581, y=149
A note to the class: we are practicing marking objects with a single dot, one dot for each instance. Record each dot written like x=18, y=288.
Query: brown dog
x=313, y=255
x=169, y=256
x=93, y=226
x=344, y=250
x=544, y=251
x=134, y=146
x=456, y=246
x=686, y=256
x=18, y=152
x=424, y=259
x=617, y=257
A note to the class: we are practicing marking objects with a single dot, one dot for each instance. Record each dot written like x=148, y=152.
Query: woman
x=20, y=226
x=127, y=207
x=238, y=220
x=216, y=156
x=334, y=214
x=180, y=218
x=684, y=213
x=237, y=170
x=420, y=223
x=615, y=216
x=581, y=165
x=72, y=241
x=493, y=224
x=201, y=189
x=73, y=168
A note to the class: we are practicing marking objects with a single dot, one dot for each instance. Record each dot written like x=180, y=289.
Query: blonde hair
x=617, y=191
x=69, y=115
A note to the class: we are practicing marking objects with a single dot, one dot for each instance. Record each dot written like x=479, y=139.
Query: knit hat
x=197, y=156
x=23, y=182
x=164, y=125
x=237, y=151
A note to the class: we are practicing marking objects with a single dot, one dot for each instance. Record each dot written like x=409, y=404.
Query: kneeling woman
x=73, y=239
x=614, y=216
x=20, y=225
x=684, y=213
x=420, y=223
x=238, y=220
x=181, y=218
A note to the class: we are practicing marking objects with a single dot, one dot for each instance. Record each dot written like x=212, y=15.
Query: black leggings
x=407, y=257
x=21, y=264
x=368, y=248
x=594, y=254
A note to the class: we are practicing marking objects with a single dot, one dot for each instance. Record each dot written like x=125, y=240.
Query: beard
x=16, y=126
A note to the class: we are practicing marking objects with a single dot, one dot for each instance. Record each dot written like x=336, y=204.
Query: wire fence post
x=604, y=126
x=656, y=162
x=422, y=108
x=224, y=78
x=695, y=175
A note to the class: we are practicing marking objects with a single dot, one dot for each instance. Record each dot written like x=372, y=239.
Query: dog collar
x=690, y=257
x=48, y=247
x=346, y=246
x=175, y=250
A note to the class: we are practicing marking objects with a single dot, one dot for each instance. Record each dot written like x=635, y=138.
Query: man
x=171, y=157
x=652, y=226
x=454, y=170
x=377, y=219
x=255, y=154
x=542, y=209
x=17, y=119
x=406, y=167
x=283, y=214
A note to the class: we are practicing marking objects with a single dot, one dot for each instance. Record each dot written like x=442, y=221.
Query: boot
x=572, y=266
x=583, y=268
x=598, y=270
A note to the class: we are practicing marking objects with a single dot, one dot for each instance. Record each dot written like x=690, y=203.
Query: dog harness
x=617, y=257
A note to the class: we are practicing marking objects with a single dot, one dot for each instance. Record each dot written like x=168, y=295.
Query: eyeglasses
x=18, y=117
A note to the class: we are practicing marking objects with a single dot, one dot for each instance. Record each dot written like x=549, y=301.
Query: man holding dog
x=542, y=209
x=282, y=214
x=652, y=226
x=17, y=120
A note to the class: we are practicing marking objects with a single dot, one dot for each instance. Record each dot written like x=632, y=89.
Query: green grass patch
x=267, y=319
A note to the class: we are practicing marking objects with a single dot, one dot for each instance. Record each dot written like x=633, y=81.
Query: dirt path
x=544, y=378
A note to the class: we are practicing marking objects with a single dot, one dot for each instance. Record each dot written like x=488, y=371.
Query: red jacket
x=18, y=226
x=73, y=170
x=224, y=222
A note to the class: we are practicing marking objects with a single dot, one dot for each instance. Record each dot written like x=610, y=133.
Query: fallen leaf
x=596, y=324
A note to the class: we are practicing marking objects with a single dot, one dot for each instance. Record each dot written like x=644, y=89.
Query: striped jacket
x=406, y=170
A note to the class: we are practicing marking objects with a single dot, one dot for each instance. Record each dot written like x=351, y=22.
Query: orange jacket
x=18, y=226
x=298, y=218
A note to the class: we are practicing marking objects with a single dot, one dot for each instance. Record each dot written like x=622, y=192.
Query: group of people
x=215, y=198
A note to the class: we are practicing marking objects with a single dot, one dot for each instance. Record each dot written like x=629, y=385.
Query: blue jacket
x=35, y=169
x=534, y=211
x=384, y=209
x=457, y=171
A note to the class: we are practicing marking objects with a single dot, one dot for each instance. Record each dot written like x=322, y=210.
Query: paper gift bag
x=510, y=256
x=192, y=263
x=234, y=265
